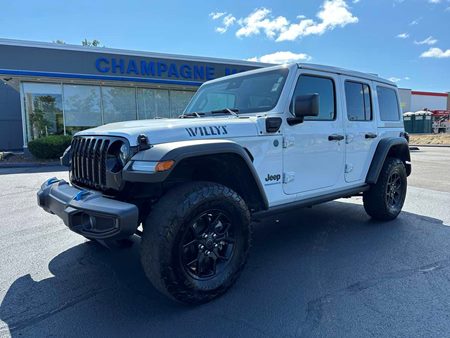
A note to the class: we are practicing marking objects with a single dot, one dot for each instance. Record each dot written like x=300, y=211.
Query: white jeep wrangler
x=247, y=145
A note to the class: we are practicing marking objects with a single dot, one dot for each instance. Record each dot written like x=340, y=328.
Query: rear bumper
x=88, y=212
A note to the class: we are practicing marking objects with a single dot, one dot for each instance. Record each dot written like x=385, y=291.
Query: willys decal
x=207, y=131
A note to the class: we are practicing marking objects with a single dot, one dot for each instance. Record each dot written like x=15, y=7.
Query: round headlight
x=124, y=153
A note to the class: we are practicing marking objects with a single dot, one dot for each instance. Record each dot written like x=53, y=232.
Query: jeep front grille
x=89, y=156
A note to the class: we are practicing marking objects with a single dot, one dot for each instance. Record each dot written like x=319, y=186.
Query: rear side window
x=309, y=84
x=388, y=103
x=357, y=97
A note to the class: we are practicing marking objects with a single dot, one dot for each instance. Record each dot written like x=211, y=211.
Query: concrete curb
x=431, y=145
x=29, y=165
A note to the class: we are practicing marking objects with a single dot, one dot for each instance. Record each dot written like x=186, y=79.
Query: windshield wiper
x=233, y=111
x=189, y=115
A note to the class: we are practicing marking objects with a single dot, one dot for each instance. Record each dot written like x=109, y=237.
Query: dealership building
x=49, y=88
x=413, y=100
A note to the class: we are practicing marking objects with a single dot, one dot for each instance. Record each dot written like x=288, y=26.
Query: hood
x=170, y=130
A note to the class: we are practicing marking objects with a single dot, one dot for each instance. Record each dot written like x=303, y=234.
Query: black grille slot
x=89, y=161
x=103, y=156
x=96, y=162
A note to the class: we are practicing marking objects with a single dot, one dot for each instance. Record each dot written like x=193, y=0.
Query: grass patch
x=430, y=139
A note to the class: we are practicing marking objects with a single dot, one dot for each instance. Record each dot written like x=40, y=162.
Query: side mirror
x=304, y=105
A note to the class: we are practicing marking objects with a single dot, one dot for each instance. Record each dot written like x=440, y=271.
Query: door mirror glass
x=306, y=105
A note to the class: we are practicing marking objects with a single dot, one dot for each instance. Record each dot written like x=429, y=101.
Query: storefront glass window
x=82, y=108
x=152, y=103
x=69, y=108
x=119, y=104
x=44, y=113
x=178, y=101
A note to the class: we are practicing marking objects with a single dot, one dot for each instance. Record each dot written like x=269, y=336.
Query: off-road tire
x=375, y=199
x=163, y=232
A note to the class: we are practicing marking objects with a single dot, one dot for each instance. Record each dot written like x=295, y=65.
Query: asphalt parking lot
x=324, y=271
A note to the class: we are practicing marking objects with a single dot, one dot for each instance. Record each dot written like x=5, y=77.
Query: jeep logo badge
x=270, y=178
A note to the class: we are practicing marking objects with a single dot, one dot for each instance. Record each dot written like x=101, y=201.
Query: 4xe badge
x=273, y=178
x=207, y=131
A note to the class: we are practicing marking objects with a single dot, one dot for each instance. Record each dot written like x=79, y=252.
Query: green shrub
x=49, y=147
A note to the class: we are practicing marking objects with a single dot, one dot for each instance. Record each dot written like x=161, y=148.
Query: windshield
x=245, y=94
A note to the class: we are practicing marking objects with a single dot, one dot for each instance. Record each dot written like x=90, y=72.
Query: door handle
x=335, y=137
x=371, y=135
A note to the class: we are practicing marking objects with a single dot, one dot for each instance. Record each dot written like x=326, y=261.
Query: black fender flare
x=180, y=150
x=394, y=145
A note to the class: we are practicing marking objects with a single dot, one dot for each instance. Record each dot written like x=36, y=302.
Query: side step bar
x=309, y=202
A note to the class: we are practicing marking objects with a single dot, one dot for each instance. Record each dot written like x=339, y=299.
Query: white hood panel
x=170, y=130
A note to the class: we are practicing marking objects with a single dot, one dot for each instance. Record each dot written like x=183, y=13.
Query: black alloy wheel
x=207, y=245
x=393, y=190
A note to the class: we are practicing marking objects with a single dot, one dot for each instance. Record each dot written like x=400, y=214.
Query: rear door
x=360, y=127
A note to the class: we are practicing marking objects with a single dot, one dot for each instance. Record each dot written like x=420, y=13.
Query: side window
x=388, y=103
x=358, y=99
x=310, y=84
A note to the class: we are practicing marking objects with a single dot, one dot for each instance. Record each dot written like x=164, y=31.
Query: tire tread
x=374, y=198
x=160, y=230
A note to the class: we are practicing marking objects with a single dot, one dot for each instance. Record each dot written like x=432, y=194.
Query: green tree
x=93, y=43
x=85, y=42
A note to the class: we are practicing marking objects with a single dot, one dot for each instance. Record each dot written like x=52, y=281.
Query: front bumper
x=88, y=212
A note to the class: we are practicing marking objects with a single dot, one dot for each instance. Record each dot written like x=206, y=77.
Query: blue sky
x=405, y=40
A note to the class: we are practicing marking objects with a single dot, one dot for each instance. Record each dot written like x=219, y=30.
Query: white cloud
x=334, y=13
x=260, y=20
x=282, y=57
x=428, y=41
x=415, y=22
x=403, y=36
x=434, y=1
x=436, y=53
x=216, y=15
x=398, y=79
x=394, y=79
x=397, y=2
x=227, y=22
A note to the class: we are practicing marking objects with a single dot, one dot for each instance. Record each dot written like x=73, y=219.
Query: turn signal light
x=165, y=165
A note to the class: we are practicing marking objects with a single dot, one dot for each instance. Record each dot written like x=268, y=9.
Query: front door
x=360, y=127
x=314, y=150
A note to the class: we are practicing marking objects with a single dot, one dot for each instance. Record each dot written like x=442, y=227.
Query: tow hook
x=82, y=194
x=50, y=181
